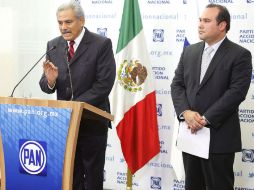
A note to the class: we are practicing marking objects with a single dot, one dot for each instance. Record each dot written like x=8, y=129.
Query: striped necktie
x=206, y=59
x=71, y=50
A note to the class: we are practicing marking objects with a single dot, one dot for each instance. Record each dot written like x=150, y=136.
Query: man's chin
x=201, y=37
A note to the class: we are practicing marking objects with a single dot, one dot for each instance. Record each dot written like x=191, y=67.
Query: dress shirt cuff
x=181, y=115
x=52, y=87
x=206, y=120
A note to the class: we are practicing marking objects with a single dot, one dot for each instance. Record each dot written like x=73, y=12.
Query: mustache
x=66, y=31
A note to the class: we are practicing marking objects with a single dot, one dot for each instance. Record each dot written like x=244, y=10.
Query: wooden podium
x=41, y=110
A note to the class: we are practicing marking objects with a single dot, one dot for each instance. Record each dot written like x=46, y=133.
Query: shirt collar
x=78, y=39
x=216, y=45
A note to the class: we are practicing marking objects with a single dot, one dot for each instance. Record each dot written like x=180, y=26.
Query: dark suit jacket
x=220, y=93
x=92, y=70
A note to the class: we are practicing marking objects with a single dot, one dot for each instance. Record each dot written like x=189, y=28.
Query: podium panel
x=34, y=141
x=38, y=141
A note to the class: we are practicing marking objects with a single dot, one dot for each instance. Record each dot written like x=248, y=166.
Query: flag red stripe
x=138, y=133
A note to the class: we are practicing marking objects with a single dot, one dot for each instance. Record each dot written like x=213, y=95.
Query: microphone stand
x=54, y=47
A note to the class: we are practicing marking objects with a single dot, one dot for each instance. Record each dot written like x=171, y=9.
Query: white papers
x=176, y=158
x=195, y=144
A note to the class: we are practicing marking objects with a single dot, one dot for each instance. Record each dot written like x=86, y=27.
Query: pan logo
x=248, y=155
x=102, y=31
x=184, y=1
x=158, y=35
x=155, y=182
x=32, y=157
x=159, y=109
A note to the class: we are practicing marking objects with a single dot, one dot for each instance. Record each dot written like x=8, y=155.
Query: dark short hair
x=223, y=14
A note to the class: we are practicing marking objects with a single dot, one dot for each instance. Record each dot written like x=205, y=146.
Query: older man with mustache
x=82, y=68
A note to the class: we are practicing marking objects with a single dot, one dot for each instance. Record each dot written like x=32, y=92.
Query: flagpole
x=129, y=180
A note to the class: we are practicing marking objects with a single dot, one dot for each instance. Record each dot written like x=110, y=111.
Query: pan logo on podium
x=33, y=157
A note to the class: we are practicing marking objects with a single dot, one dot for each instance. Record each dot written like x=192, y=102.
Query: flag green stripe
x=131, y=23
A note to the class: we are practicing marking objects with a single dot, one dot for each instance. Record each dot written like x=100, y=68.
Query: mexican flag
x=133, y=95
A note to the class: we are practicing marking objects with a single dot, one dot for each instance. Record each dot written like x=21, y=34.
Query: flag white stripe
x=135, y=50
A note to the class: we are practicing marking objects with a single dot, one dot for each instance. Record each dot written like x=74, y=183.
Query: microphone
x=69, y=72
x=52, y=48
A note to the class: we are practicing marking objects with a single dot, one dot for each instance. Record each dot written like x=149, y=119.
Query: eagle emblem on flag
x=131, y=75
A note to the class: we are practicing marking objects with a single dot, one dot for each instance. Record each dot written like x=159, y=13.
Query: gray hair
x=75, y=6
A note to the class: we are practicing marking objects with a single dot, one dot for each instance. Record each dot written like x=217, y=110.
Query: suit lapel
x=62, y=45
x=220, y=53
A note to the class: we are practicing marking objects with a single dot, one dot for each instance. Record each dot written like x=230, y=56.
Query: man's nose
x=64, y=26
x=200, y=25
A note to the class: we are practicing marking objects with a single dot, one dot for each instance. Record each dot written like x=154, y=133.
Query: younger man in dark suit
x=209, y=96
x=82, y=68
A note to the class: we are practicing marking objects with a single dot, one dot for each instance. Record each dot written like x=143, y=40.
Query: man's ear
x=82, y=20
x=223, y=25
